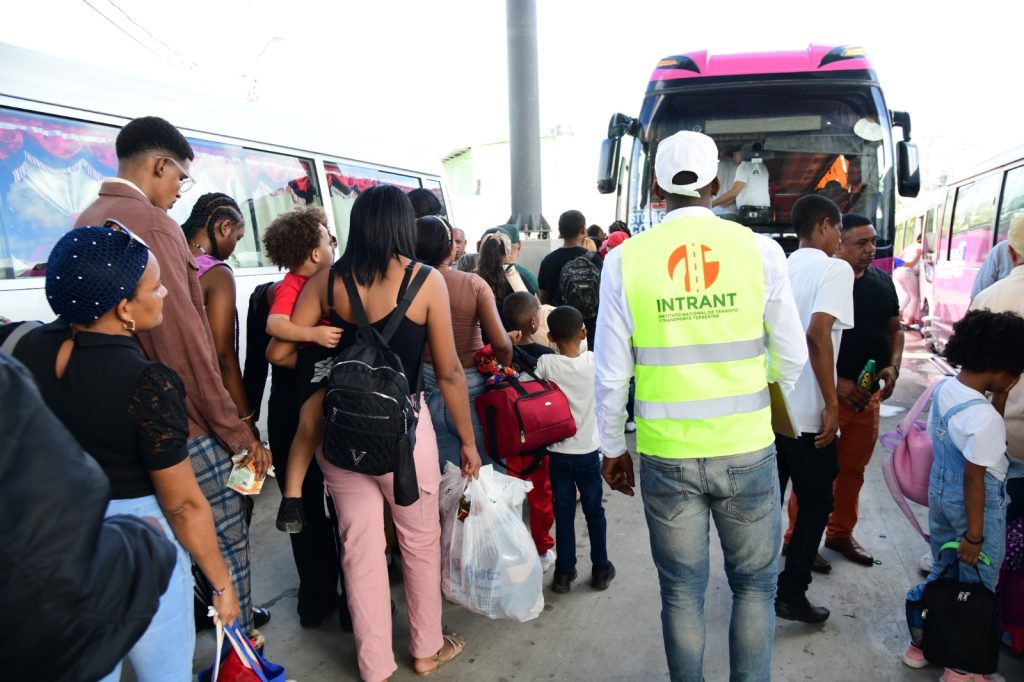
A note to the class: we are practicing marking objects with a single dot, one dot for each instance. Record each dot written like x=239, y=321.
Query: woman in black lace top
x=129, y=414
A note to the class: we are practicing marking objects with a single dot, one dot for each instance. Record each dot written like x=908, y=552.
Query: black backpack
x=369, y=410
x=580, y=285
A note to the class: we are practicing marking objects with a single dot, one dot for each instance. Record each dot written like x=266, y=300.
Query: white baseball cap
x=690, y=152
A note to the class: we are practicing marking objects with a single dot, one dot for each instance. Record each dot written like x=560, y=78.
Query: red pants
x=542, y=512
x=859, y=431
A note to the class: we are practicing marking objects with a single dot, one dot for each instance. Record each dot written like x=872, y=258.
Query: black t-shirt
x=125, y=411
x=874, y=305
x=551, y=270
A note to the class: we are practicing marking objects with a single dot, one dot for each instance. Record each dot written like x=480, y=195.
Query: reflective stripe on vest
x=707, y=352
x=695, y=288
x=704, y=409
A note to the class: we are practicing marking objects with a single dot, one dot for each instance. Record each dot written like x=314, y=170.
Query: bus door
x=969, y=233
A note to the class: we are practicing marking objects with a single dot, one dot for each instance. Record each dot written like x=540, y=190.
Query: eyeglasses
x=184, y=184
x=118, y=226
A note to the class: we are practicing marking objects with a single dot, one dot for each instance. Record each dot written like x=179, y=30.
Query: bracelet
x=897, y=370
x=216, y=592
x=248, y=415
x=973, y=542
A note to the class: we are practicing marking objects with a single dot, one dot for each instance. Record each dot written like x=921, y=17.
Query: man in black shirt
x=876, y=335
x=572, y=228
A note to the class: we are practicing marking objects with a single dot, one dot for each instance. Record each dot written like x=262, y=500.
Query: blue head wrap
x=92, y=268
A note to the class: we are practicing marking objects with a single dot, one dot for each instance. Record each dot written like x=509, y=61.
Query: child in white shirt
x=966, y=491
x=575, y=462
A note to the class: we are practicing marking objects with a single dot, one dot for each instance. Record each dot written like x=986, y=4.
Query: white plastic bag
x=489, y=563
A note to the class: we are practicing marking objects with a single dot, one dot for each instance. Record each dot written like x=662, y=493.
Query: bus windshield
x=828, y=138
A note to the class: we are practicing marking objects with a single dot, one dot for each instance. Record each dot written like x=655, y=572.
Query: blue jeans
x=569, y=473
x=742, y=494
x=164, y=652
x=448, y=442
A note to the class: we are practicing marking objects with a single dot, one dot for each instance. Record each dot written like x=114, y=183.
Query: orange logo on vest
x=701, y=272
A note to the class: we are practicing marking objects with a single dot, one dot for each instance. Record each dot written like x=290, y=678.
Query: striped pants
x=212, y=465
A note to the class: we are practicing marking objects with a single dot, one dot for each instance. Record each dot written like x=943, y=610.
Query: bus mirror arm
x=620, y=125
x=901, y=119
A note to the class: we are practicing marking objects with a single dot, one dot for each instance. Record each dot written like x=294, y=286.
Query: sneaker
x=925, y=565
x=260, y=617
x=289, y=515
x=562, y=582
x=950, y=675
x=602, y=576
x=547, y=560
x=630, y=427
x=914, y=657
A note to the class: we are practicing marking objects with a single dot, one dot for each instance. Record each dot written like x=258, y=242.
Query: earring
x=129, y=326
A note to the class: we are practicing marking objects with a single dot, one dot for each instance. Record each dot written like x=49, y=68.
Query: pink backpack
x=908, y=467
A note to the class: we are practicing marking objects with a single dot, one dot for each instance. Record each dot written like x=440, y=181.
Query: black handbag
x=961, y=626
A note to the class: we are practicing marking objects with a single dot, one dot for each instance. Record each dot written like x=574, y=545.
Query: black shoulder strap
x=353, y=299
x=403, y=305
x=330, y=289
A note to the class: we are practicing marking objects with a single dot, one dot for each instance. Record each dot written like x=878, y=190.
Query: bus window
x=1013, y=200
x=264, y=184
x=347, y=181
x=435, y=188
x=974, y=219
x=50, y=171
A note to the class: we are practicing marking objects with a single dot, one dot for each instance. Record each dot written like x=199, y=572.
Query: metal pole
x=524, y=117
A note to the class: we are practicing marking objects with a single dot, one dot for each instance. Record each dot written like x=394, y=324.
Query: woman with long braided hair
x=212, y=231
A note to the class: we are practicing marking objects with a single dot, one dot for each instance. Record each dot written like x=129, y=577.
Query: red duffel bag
x=523, y=416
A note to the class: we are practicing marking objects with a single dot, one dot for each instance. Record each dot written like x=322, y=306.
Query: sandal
x=457, y=643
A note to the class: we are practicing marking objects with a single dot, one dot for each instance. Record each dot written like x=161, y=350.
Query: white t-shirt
x=820, y=285
x=575, y=376
x=978, y=432
x=726, y=178
x=755, y=191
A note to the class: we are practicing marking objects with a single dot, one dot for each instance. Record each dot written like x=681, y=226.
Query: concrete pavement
x=616, y=635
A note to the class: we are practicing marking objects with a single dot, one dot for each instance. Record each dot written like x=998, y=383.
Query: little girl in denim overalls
x=980, y=346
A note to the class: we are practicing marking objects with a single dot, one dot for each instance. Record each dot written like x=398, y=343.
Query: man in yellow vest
x=701, y=310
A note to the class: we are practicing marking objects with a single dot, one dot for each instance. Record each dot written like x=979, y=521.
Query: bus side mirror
x=908, y=170
x=608, y=166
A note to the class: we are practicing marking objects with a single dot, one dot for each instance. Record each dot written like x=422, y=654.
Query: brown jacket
x=183, y=342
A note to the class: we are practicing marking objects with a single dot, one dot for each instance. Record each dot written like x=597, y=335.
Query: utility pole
x=524, y=117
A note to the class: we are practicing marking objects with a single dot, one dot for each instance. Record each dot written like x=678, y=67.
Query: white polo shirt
x=755, y=190
x=820, y=285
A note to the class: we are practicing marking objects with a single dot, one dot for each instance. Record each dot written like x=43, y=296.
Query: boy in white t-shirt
x=966, y=488
x=575, y=463
x=823, y=291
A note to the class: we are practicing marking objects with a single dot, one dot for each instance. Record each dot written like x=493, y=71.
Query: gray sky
x=433, y=74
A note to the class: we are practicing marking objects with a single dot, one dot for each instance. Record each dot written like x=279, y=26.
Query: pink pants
x=359, y=500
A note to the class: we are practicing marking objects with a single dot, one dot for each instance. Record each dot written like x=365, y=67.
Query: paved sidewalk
x=616, y=635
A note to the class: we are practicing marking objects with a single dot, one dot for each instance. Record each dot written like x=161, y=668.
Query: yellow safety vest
x=695, y=288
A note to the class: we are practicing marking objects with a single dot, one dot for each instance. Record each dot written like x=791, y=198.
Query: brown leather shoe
x=851, y=549
x=820, y=565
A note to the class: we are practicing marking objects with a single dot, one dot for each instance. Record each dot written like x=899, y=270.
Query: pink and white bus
x=815, y=120
x=960, y=225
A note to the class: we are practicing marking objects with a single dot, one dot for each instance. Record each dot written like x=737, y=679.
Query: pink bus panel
x=758, y=63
